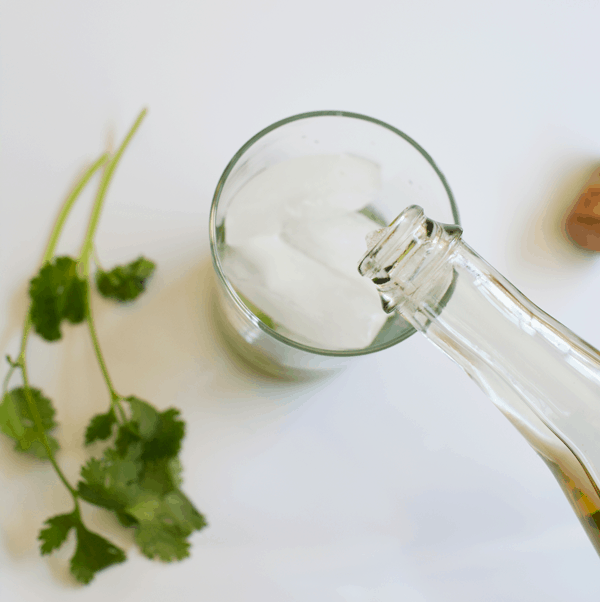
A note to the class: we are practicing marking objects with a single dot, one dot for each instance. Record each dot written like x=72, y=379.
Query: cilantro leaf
x=10, y=419
x=166, y=441
x=139, y=479
x=144, y=416
x=125, y=519
x=161, y=541
x=43, y=404
x=56, y=533
x=175, y=470
x=17, y=422
x=127, y=437
x=161, y=476
x=172, y=512
x=100, y=427
x=164, y=524
x=125, y=282
x=110, y=482
x=92, y=553
x=162, y=516
x=160, y=433
x=32, y=445
x=183, y=512
x=57, y=293
x=115, y=481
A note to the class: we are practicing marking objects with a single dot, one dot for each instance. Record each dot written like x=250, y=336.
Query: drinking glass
x=408, y=176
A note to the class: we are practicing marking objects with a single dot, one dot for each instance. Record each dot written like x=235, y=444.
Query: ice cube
x=315, y=186
x=294, y=241
x=310, y=302
x=337, y=242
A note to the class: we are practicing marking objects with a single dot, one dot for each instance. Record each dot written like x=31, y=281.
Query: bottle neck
x=543, y=377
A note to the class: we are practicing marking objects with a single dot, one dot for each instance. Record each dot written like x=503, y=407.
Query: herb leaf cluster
x=125, y=283
x=17, y=422
x=57, y=293
x=138, y=474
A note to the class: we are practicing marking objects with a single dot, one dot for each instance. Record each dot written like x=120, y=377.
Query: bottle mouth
x=406, y=261
x=390, y=245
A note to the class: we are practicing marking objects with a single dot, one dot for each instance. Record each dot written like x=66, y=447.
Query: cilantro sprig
x=138, y=474
x=125, y=283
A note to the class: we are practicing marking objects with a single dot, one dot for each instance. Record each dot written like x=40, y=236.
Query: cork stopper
x=583, y=223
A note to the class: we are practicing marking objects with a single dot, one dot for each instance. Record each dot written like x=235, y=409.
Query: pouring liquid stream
x=542, y=377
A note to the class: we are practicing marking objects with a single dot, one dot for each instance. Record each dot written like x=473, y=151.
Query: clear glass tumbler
x=408, y=176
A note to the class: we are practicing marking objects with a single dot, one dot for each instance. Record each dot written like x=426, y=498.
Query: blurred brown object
x=583, y=223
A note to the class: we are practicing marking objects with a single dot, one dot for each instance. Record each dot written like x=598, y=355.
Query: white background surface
x=395, y=482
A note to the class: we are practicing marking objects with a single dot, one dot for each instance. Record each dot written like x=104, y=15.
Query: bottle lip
x=389, y=245
x=407, y=261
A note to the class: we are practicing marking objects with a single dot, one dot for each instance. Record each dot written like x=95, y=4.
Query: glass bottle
x=542, y=377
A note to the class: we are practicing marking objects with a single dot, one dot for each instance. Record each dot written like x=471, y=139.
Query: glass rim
x=213, y=228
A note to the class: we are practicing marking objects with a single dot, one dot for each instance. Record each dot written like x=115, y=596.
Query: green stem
x=55, y=235
x=68, y=205
x=38, y=423
x=13, y=367
x=21, y=362
x=87, y=250
x=96, y=260
x=88, y=243
x=26, y=330
x=115, y=398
